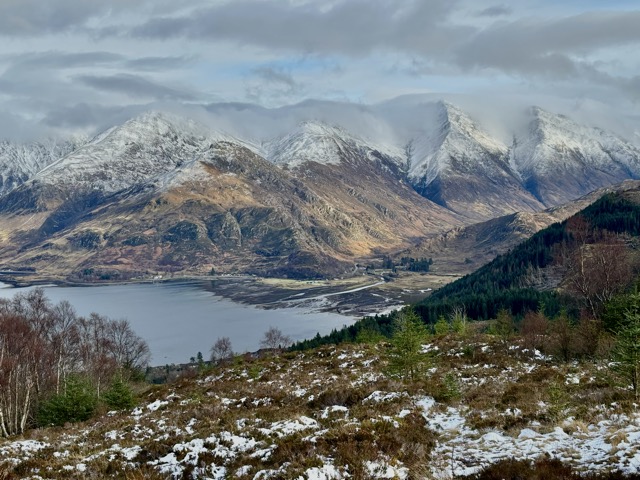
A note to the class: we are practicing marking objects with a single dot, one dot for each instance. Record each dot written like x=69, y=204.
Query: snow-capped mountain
x=139, y=152
x=458, y=165
x=454, y=143
x=20, y=161
x=327, y=145
x=161, y=192
x=559, y=160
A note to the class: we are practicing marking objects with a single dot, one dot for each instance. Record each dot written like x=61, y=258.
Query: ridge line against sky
x=68, y=65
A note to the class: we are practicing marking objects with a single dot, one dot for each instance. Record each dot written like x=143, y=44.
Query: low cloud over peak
x=88, y=58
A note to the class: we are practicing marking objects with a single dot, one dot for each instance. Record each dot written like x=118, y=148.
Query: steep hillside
x=19, y=162
x=538, y=270
x=465, y=249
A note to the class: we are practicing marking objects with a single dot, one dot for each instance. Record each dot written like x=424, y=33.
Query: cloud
x=69, y=63
x=552, y=46
x=495, y=11
x=134, y=86
x=347, y=27
x=87, y=116
x=18, y=128
x=35, y=17
x=537, y=45
x=276, y=76
x=152, y=64
x=62, y=60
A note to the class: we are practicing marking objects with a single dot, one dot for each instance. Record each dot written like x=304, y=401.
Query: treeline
x=588, y=252
x=56, y=365
x=408, y=263
x=614, y=213
x=416, y=264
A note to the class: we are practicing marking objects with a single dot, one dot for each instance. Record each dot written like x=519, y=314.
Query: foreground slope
x=332, y=413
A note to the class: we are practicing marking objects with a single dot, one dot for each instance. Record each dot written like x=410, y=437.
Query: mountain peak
x=319, y=128
x=314, y=141
x=453, y=135
x=559, y=159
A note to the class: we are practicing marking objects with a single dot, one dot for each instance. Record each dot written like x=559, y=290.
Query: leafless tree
x=65, y=342
x=127, y=348
x=97, y=362
x=42, y=344
x=599, y=271
x=562, y=337
x=221, y=350
x=534, y=329
x=275, y=339
x=24, y=368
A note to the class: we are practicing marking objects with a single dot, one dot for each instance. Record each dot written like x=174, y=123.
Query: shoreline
x=354, y=297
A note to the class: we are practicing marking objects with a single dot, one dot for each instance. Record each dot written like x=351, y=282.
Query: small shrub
x=558, y=401
x=441, y=327
x=76, y=404
x=119, y=396
x=504, y=325
x=448, y=389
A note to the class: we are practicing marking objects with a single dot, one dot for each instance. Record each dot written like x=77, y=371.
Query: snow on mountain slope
x=19, y=162
x=555, y=141
x=453, y=141
x=135, y=153
x=324, y=144
x=559, y=160
x=458, y=165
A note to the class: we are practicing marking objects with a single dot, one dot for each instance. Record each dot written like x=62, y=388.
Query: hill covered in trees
x=577, y=266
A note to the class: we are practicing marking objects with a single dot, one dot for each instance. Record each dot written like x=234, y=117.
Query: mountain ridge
x=166, y=193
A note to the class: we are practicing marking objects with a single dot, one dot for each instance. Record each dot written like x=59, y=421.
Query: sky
x=82, y=65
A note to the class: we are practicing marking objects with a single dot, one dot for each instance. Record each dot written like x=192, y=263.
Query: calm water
x=179, y=320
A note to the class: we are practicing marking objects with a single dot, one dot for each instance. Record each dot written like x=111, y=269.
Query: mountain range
x=162, y=193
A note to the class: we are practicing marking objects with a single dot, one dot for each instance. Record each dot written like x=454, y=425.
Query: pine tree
x=119, y=396
x=369, y=335
x=504, y=325
x=75, y=404
x=441, y=327
x=405, y=357
x=627, y=351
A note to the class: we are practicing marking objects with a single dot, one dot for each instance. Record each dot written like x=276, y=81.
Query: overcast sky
x=83, y=64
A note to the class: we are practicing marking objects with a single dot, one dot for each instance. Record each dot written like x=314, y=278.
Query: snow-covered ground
x=332, y=413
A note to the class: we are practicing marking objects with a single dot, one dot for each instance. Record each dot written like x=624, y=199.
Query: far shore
x=354, y=296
